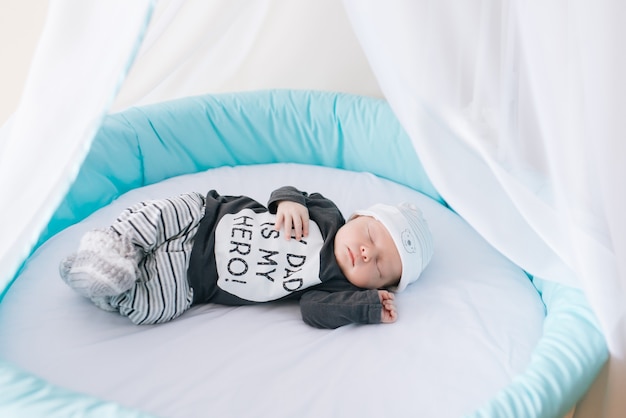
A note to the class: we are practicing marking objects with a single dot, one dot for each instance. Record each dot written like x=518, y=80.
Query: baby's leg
x=162, y=292
x=150, y=224
x=106, y=263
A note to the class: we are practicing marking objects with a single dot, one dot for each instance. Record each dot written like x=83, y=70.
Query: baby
x=161, y=257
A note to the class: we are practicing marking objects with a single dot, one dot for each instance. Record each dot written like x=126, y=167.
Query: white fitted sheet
x=465, y=328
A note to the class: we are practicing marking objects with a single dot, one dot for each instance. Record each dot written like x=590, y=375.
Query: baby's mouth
x=351, y=255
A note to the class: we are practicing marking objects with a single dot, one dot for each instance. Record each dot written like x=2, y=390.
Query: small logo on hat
x=408, y=241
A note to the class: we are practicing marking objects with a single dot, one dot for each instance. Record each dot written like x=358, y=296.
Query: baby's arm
x=389, y=314
x=322, y=309
x=294, y=217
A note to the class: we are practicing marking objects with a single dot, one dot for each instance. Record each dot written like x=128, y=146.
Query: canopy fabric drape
x=528, y=99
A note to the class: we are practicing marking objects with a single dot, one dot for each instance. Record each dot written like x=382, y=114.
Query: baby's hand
x=294, y=217
x=389, y=313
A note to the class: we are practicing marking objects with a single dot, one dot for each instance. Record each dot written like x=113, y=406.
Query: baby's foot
x=103, y=266
x=65, y=266
x=103, y=303
x=73, y=281
x=93, y=276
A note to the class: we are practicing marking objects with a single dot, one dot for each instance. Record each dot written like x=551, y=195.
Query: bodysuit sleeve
x=322, y=309
x=286, y=193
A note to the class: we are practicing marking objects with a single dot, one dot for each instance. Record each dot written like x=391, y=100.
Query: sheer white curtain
x=518, y=111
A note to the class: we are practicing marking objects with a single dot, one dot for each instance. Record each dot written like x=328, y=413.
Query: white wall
x=21, y=22
x=238, y=45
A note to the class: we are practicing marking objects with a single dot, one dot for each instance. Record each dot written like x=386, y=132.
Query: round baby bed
x=261, y=131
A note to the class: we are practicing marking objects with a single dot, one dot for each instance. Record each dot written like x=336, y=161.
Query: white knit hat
x=409, y=232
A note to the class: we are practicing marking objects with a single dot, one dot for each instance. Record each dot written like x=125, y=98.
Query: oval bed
x=475, y=335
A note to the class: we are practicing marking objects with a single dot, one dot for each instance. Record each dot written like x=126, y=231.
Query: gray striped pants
x=163, y=230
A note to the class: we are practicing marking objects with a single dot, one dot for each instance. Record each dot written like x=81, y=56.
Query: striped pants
x=163, y=231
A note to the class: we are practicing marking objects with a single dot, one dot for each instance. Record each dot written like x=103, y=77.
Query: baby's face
x=367, y=254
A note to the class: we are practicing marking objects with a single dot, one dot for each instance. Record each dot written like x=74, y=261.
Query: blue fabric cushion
x=563, y=365
x=148, y=144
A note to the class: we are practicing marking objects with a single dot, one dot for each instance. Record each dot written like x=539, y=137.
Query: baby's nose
x=366, y=253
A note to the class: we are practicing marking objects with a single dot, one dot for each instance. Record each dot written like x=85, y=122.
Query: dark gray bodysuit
x=250, y=262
